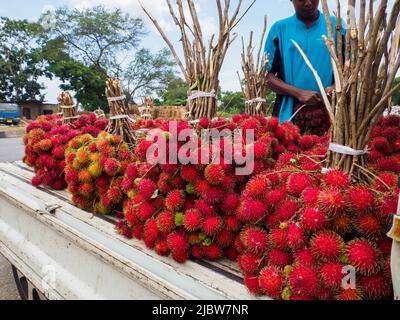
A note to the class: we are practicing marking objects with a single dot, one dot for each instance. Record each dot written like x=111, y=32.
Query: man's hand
x=309, y=98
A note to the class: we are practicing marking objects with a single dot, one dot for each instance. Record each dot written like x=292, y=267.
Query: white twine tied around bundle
x=256, y=100
x=123, y=116
x=67, y=107
x=114, y=99
x=196, y=94
x=337, y=148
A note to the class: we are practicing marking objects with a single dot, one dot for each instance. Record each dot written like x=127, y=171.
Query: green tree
x=22, y=62
x=147, y=73
x=232, y=102
x=175, y=93
x=95, y=36
x=396, y=95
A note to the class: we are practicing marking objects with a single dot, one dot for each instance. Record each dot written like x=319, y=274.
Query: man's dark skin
x=307, y=12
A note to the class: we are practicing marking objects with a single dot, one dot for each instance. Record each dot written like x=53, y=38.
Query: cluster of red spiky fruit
x=45, y=142
x=307, y=230
x=192, y=210
x=94, y=171
x=384, y=154
x=293, y=230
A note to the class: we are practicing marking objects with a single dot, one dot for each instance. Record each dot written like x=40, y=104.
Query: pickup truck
x=9, y=114
x=61, y=252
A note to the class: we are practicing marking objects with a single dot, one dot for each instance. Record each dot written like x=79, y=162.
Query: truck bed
x=68, y=253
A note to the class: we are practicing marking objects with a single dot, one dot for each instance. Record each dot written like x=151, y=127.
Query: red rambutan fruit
x=150, y=232
x=232, y=223
x=192, y=220
x=115, y=195
x=327, y=246
x=166, y=222
x=279, y=258
x=360, y=199
x=275, y=196
x=84, y=176
x=250, y=263
x=387, y=206
x=363, y=255
x=304, y=257
x=205, y=208
x=161, y=248
x=336, y=179
x=132, y=171
x=298, y=182
x=368, y=225
x=342, y=224
x=212, y=225
x=256, y=187
x=303, y=281
x=251, y=283
x=295, y=237
x=332, y=202
x=146, y=210
x=230, y=203
x=388, y=164
x=310, y=196
x=180, y=256
x=197, y=252
x=212, y=252
x=138, y=232
x=385, y=245
x=224, y=239
x=381, y=144
x=36, y=181
x=213, y=195
x=287, y=210
x=86, y=189
x=175, y=200
x=255, y=239
x=279, y=238
x=214, y=173
x=386, y=180
x=331, y=275
x=231, y=253
x=146, y=188
x=189, y=173
x=111, y=167
x=251, y=211
x=376, y=286
x=313, y=219
x=349, y=294
x=271, y=282
x=177, y=242
x=131, y=217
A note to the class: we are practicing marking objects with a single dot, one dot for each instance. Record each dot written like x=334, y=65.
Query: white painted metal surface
x=395, y=263
x=68, y=253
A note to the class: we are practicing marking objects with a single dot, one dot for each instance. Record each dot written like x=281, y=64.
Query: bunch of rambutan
x=45, y=143
x=306, y=230
x=95, y=167
x=384, y=154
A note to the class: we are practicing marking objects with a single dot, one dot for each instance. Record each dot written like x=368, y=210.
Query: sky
x=253, y=21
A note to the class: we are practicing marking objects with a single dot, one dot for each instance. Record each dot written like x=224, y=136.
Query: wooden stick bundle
x=365, y=69
x=255, y=87
x=119, y=119
x=67, y=108
x=202, y=62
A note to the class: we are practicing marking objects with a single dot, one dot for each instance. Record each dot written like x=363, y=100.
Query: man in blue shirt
x=289, y=76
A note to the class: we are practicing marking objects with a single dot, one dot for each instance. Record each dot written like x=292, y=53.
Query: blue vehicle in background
x=9, y=114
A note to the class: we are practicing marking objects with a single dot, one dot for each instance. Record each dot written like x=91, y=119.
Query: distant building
x=30, y=110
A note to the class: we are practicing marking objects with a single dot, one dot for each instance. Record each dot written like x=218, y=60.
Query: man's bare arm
x=280, y=87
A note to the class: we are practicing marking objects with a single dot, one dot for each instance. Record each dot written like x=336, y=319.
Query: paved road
x=10, y=150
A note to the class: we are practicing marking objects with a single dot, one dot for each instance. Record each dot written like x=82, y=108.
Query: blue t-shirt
x=290, y=65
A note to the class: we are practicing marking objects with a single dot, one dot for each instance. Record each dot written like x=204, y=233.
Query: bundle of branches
x=365, y=67
x=254, y=84
x=119, y=119
x=202, y=62
x=67, y=108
